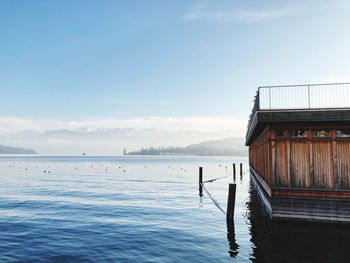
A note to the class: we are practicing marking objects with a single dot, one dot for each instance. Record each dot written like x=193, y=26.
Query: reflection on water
x=231, y=237
x=285, y=241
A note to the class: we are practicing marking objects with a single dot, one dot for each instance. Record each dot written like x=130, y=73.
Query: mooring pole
x=241, y=169
x=200, y=181
x=234, y=172
x=231, y=204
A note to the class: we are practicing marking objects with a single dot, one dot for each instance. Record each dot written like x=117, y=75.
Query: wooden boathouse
x=299, y=151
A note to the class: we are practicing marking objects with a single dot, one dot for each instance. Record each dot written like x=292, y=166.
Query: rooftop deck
x=299, y=103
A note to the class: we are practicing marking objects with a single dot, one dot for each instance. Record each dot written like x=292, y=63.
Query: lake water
x=144, y=209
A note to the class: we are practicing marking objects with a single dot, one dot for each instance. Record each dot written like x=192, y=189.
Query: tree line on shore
x=194, y=151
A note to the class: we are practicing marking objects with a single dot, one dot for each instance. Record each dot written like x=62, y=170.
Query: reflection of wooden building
x=299, y=154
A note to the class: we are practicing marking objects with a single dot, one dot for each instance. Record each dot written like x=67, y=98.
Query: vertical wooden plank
x=334, y=163
x=311, y=161
x=323, y=161
x=343, y=166
x=314, y=161
x=267, y=161
x=329, y=166
x=299, y=163
x=346, y=149
x=270, y=132
x=288, y=164
x=281, y=160
x=277, y=167
x=310, y=181
x=273, y=162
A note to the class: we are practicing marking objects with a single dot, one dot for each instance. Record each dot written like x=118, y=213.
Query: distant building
x=124, y=152
x=299, y=151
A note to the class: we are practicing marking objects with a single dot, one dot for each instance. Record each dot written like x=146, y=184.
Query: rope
x=214, y=201
x=212, y=180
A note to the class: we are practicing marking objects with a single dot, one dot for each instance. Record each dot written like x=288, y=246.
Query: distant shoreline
x=15, y=150
x=184, y=155
x=225, y=147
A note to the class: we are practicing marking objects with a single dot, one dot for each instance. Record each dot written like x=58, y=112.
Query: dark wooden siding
x=343, y=164
x=307, y=163
x=281, y=167
x=259, y=156
x=323, y=165
x=299, y=164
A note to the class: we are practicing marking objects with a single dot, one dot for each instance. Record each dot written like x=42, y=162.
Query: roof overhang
x=262, y=118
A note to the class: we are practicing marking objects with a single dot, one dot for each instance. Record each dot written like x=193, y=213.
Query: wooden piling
x=234, y=172
x=231, y=199
x=200, y=181
x=241, y=169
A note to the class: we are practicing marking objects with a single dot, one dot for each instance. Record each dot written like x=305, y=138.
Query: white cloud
x=10, y=125
x=213, y=11
x=249, y=16
x=223, y=14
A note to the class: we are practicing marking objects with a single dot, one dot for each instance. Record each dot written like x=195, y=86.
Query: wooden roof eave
x=263, y=117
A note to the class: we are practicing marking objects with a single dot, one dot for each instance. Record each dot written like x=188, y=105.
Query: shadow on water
x=286, y=241
x=231, y=237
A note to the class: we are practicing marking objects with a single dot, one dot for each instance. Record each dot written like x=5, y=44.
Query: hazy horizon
x=107, y=141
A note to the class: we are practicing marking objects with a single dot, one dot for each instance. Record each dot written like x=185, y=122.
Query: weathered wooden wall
x=342, y=151
x=303, y=163
x=259, y=156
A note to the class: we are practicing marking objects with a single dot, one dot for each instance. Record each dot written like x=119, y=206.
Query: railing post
x=308, y=95
x=270, y=97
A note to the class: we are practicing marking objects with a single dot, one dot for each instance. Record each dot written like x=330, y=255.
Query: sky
x=164, y=65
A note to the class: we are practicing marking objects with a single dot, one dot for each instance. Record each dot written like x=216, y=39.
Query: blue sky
x=111, y=60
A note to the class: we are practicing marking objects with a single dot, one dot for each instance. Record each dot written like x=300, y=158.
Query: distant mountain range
x=232, y=146
x=106, y=141
x=15, y=150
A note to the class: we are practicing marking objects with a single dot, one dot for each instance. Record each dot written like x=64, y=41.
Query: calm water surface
x=144, y=209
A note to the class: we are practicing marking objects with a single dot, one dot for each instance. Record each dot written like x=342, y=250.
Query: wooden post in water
x=231, y=199
x=234, y=172
x=200, y=181
x=241, y=169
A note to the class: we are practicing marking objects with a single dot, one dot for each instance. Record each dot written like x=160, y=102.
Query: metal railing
x=301, y=97
x=311, y=96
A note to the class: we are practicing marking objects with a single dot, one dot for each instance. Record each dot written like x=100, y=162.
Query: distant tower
x=124, y=151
